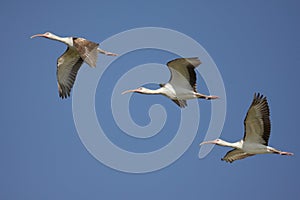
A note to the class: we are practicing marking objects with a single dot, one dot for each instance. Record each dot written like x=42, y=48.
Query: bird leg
x=106, y=52
x=207, y=97
x=286, y=153
x=280, y=152
x=211, y=97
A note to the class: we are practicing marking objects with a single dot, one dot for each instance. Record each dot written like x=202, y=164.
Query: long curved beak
x=128, y=91
x=38, y=35
x=208, y=142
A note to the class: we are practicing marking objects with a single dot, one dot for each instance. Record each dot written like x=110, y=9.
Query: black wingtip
x=180, y=103
x=228, y=161
x=64, y=96
x=259, y=96
x=63, y=92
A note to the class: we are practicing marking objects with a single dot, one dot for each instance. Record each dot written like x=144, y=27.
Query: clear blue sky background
x=255, y=45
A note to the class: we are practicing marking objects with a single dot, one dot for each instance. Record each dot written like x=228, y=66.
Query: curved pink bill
x=128, y=91
x=38, y=35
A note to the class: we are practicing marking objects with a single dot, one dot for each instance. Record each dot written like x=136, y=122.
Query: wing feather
x=257, y=122
x=87, y=50
x=235, y=154
x=180, y=102
x=68, y=65
x=183, y=73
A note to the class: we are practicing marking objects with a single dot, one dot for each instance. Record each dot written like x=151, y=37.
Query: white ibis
x=182, y=84
x=79, y=50
x=257, y=132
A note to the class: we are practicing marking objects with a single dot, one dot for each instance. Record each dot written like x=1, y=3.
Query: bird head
x=216, y=141
x=138, y=90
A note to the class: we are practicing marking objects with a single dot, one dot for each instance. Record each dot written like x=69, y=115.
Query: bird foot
x=211, y=97
x=106, y=52
x=286, y=153
x=110, y=54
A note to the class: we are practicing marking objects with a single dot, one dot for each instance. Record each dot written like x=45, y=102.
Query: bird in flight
x=182, y=84
x=256, y=134
x=79, y=50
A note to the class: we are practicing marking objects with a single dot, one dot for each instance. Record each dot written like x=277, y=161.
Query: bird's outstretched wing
x=68, y=65
x=235, y=154
x=181, y=103
x=183, y=73
x=257, y=122
x=87, y=50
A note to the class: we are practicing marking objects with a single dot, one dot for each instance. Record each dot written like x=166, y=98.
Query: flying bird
x=79, y=50
x=182, y=84
x=256, y=134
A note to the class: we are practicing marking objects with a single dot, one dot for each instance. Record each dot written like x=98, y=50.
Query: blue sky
x=255, y=46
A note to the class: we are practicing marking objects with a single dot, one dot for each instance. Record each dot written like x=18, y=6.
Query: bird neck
x=67, y=40
x=229, y=144
x=150, y=91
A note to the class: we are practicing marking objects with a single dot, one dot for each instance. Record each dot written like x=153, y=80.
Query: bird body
x=257, y=132
x=182, y=84
x=79, y=50
x=177, y=92
x=249, y=147
x=254, y=148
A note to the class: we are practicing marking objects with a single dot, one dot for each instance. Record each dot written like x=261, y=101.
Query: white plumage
x=182, y=84
x=79, y=50
x=257, y=132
